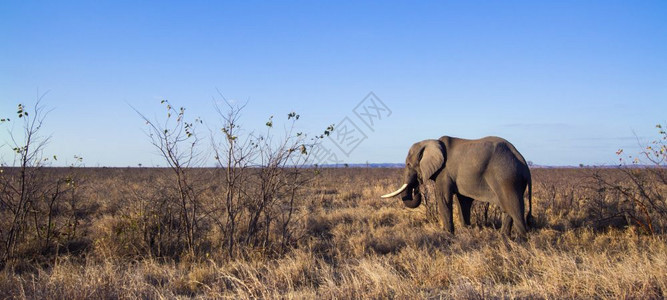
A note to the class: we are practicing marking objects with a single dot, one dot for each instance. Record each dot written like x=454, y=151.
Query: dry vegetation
x=589, y=241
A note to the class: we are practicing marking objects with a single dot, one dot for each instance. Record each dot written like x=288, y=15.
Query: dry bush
x=629, y=196
x=261, y=179
x=244, y=207
x=39, y=207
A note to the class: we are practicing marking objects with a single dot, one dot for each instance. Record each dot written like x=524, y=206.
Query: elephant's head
x=424, y=160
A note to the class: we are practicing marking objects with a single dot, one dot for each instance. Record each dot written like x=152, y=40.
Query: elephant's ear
x=432, y=159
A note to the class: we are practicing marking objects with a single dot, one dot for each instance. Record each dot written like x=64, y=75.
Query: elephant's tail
x=529, y=217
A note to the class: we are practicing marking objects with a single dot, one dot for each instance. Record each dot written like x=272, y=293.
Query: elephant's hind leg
x=506, y=229
x=514, y=211
x=512, y=205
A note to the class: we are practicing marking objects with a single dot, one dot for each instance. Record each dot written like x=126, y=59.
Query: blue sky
x=566, y=82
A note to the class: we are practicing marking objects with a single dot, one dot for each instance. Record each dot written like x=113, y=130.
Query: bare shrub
x=38, y=207
x=245, y=206
x=636, y=192
x=180, y=209
x=262, y=176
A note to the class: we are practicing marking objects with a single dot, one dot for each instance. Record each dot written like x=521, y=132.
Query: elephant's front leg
x=445, y=200
x=465, y=206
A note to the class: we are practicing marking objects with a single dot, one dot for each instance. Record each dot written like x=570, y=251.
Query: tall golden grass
x=350, y=244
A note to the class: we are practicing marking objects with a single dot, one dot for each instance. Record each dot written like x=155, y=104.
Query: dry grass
x=350, y=244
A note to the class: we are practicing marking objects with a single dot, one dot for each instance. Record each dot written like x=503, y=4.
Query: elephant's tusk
x=402, y=188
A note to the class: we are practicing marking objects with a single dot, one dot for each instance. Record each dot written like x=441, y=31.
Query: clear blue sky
x=567, y=82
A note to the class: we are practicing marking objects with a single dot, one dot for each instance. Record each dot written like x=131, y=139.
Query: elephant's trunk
x=409, y=191
x=410, y=195
x=412, y=198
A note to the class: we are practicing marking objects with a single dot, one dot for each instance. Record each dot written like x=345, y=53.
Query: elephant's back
x=508, y=158
x=490, y=150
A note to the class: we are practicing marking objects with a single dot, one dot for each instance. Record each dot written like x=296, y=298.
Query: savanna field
x=333, y=150
x=597, y=233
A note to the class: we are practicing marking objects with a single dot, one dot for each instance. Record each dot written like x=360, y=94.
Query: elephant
x=489, y=169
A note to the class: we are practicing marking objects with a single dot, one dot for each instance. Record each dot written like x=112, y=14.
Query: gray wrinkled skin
x=488, y=169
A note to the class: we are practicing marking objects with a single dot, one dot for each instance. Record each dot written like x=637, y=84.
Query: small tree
x=280, y=175
x=36, y=207
x=234, y=154
x=262, y=175
x=178, y=144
